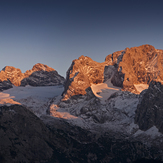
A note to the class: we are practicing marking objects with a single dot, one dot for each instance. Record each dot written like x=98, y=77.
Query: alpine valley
x=110, y=112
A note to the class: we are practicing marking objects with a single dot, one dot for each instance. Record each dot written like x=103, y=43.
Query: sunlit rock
x=40, y=75
x=82, y=73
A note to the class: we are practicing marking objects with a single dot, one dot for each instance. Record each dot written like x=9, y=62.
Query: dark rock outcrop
x=6, y=84
x=150, y=109
x=43, y=78
x=25, y=138
x=81, y=145
x=42, y=75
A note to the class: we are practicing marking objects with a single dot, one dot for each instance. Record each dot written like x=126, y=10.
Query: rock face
x=40, y=67
x=40, y=75
x=43, y=78
x=6, y=84
x=150, y=111
x=14, y=75
x=81, y=74
x=118, y=110
x=125, y=68
x=137, y=65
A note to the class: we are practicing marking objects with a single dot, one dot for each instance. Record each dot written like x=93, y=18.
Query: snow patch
x=34, y=98
x=153, y=132
x=104, y=90
x=6, y=99
x=141, y=87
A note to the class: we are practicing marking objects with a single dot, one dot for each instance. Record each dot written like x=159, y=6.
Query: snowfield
x=6, y=99
x=141, y=87
x=34, y=98
x=99, y=113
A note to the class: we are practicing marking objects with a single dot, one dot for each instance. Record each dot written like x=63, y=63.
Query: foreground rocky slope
x=81, y=145
x=25, y=138
x=40, y=75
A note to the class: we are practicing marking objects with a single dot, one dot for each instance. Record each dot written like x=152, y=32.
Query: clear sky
x=55, y=32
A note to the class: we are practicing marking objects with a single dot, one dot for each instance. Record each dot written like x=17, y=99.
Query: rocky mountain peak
x=39, y=75
x=11, y=73
x=126, y=68
x=40, y=67
x=81, y=74
x=10, y=69
x=134, y=66
x=114, y=58
x=141, y=65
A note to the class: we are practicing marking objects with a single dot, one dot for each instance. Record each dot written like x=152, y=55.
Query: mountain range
x=102, y=112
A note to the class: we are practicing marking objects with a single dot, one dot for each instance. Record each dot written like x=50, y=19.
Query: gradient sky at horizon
x=55, y=32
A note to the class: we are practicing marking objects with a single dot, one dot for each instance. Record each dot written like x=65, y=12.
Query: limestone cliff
x=141, y=65
x=14, y=75
x=81, y=74
x=125, y=68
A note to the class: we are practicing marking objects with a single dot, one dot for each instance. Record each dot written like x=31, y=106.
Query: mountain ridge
x=14, y=76
x=125, y=69
x=108, y=112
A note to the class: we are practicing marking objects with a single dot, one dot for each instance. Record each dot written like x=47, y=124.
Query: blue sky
x=55, y=32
